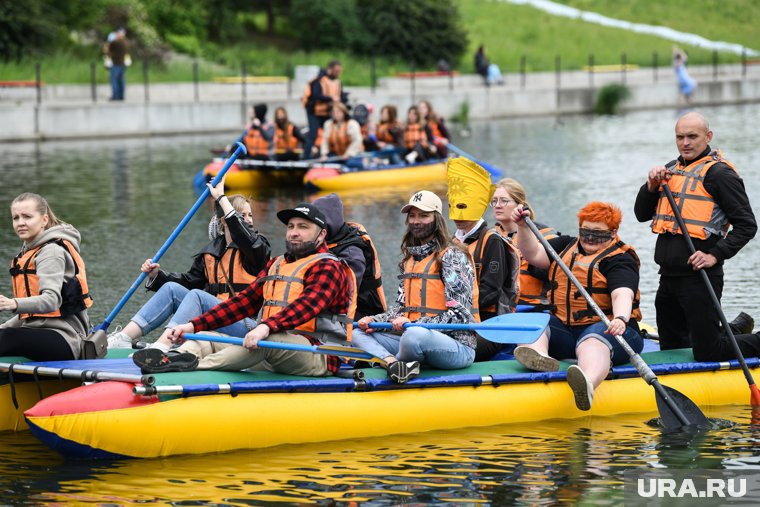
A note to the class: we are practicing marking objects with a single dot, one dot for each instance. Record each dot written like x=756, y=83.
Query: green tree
x=325, y=25
x=419, y=31
x=28, y=27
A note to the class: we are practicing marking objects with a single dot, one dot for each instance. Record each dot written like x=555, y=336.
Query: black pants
x=686, y=318
x=35, y=344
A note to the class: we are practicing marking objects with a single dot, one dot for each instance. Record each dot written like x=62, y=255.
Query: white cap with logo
x=424, y=200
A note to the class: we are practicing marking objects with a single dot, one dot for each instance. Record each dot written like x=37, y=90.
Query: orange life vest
x=370, y=297
x=476, y=249
x=226, y=276
x=569, y=305
x=700, y=212
x=424, y=291
x=414, y=133
x=338, y=141
x=330, y=88
x=284, y=143
x=383, y=132
x=435, y=131
x=255, y=142
x=75, y=293
x=284, y=283
x=534, y=283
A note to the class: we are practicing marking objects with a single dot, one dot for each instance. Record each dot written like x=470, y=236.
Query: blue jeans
x=160, y=307
x=117, y=82
x=197, y=302
x=563, y=340
x=427, y=346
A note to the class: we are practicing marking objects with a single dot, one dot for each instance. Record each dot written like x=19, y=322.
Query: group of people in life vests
x=335, y=132
x=329, y=276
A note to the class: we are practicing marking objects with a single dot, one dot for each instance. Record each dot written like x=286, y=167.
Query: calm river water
x=126, y=196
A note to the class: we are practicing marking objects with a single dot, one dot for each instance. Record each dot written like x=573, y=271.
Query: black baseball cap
x=303, y=210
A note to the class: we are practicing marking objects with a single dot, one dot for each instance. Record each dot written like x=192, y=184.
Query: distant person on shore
x=288, y=139
x=321, y=94
x=342, y=135
x=483, y=66
x=117, y=52
x=435, y=128
x=686, y=84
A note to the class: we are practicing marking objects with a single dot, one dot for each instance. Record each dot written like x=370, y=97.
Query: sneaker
x=401, y=372
x=583, y=389
x=156, y=361
x=119, y=340
x=742, y=324
x=534, y=360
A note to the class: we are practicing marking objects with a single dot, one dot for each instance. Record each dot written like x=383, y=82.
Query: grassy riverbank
x=509, y=32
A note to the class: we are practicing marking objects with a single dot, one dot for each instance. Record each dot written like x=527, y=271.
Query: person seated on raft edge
x=352, y=243
x=435, y=128
x=50, y=292
x=534, y=282
x=446, y=291
x=497, y=261
x=235, y=251
x=288, y=139
x=416, y=141
x=309, y=307
x=576, y=331
x=341, y=135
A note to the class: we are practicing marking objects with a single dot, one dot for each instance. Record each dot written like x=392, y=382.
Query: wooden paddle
x=329, y=350
x=506, y=328
x=754, y=392
x=95, y=335
x=676, y=410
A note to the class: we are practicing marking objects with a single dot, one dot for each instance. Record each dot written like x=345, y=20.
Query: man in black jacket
x=711, y=196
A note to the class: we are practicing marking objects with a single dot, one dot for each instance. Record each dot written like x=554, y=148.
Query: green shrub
x=609, y=98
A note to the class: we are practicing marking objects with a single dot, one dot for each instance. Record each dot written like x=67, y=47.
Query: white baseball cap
x=424, y=200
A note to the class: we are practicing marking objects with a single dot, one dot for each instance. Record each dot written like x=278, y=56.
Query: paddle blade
x=755, y=396
x=522, y=327
x=670, y=420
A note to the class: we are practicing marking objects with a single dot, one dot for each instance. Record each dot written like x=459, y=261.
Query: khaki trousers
x=223, y=356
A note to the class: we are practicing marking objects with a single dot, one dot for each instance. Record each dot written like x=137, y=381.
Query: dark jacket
x=727, y=189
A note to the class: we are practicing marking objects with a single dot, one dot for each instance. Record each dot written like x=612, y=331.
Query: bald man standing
x=711, y=196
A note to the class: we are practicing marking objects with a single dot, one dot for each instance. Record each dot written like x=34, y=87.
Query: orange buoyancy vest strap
x=534, y=290
x=383, y=132
x=413, y=134
x=226, y=276
x=284, y=283
x=255, y=142
x=284, y=143
x=75, y=295
x=424, y=291
x=338, y=141
x=435, y=130
x=569, y=305
x=700, y=212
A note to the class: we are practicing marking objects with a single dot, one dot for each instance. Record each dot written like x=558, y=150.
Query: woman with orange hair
x=609, y=271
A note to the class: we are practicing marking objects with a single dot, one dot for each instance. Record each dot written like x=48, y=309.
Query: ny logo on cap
x=417, y=197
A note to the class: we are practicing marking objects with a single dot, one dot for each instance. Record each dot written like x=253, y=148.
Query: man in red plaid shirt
x=303, y=297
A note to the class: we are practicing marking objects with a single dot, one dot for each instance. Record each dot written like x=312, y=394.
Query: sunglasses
x=594, y=236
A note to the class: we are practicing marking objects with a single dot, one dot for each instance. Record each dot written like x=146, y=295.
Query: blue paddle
x=506, y=328
x=329, y=350
x=494, y=171
x=102, y=328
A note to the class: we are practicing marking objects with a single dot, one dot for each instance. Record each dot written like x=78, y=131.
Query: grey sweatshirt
x=54, y=266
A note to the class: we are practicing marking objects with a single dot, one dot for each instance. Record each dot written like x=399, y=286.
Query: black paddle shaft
x=642, y=367
x=706, y=279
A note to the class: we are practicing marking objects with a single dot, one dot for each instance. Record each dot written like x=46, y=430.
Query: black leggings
x=35, y=344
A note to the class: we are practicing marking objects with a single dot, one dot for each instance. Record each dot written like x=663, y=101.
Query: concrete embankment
x=168, y=109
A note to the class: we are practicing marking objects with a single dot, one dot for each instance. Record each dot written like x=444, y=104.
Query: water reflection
x=572, y=461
